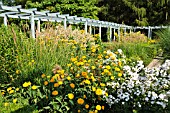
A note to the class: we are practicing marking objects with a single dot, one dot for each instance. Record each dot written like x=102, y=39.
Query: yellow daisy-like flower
x=117, y=69
x=98, y=107
x=17, y=71
x=108, y=67
x=119, y=74
x=56, y=84
x=54, y=93
x=60, y=82
x=78, y=111
x=112, y=77
x=102, y=84
x=52, y=80
x=87, y=81
x=43, y=75
x=98, y=92
x=70, y=95
x=72, y=85
x=80, y=101
x=10, y=88
x=93, y=67
x=69, y=65
x=34, y=87
x=93, y=89
x=17, y=89
x=11, y=91
x=6, y=104
x=14, y=100
x=87, y=106
x=45, y=83
x=102, y=107
x=68, y=78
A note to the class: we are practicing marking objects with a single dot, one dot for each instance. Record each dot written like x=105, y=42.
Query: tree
x=84, y=8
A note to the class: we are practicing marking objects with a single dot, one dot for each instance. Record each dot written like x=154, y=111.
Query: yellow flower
x=119, y=74
x=84, y=96
x=29, y=83
x=112, y=77
x=70, y=95
x=98, y=92
x=14, y=100
x=73, y=59
x=6, y=104
x=84, y=74
x=68, y=78
x=106, y=57
x=120, y=63
x=80, y=101
x=34, y=87
x=93, y=67
x=32, y=61
x=45, y=83
x=10, y=88
x=78, y=75
x=52, y=80
x=78, y=111
x=87, y=81
x=93, y=50
x=11, y=91
x=93, y=89
x=117, y=69
x=108, y=67
x=98, y=107
x=104, y=52
x=87, y=106
x=60, y=82
x=102, y=107
x=17, y=72
x=102, y=84
x=26, y=84
x=83, y=57
x=2, y=93
x=69, y=65
x=43, y=75
x=72, y=85
x=54, y=93
x=106, y=71
x=56, y=84
x=17, y=89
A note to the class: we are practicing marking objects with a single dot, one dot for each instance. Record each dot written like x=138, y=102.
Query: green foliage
x=164, y=36
x=135, y=51
x=8, y=53
x=84, y=8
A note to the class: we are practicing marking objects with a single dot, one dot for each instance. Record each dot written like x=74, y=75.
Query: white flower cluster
x=141, y=86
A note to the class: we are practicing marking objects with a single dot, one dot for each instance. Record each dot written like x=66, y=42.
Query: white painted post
x=38, y=26
x=119, y=34
x=114, y=35
x=90, y=29
x=94, y=30
x=32, y=26
x=86, y=27
x=5, y=20
x=110, y=34
x=65, y=23
x=149, y=32
x=100, y=31
x=125, y=31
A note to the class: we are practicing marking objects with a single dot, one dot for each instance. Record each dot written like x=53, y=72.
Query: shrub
x=164, y=36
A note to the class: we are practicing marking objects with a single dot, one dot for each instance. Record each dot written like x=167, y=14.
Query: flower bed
x=91, y=80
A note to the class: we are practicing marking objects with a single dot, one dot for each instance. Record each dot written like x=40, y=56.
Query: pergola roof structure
x=34, y=15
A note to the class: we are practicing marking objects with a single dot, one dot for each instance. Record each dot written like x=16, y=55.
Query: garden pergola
x=34, y=15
